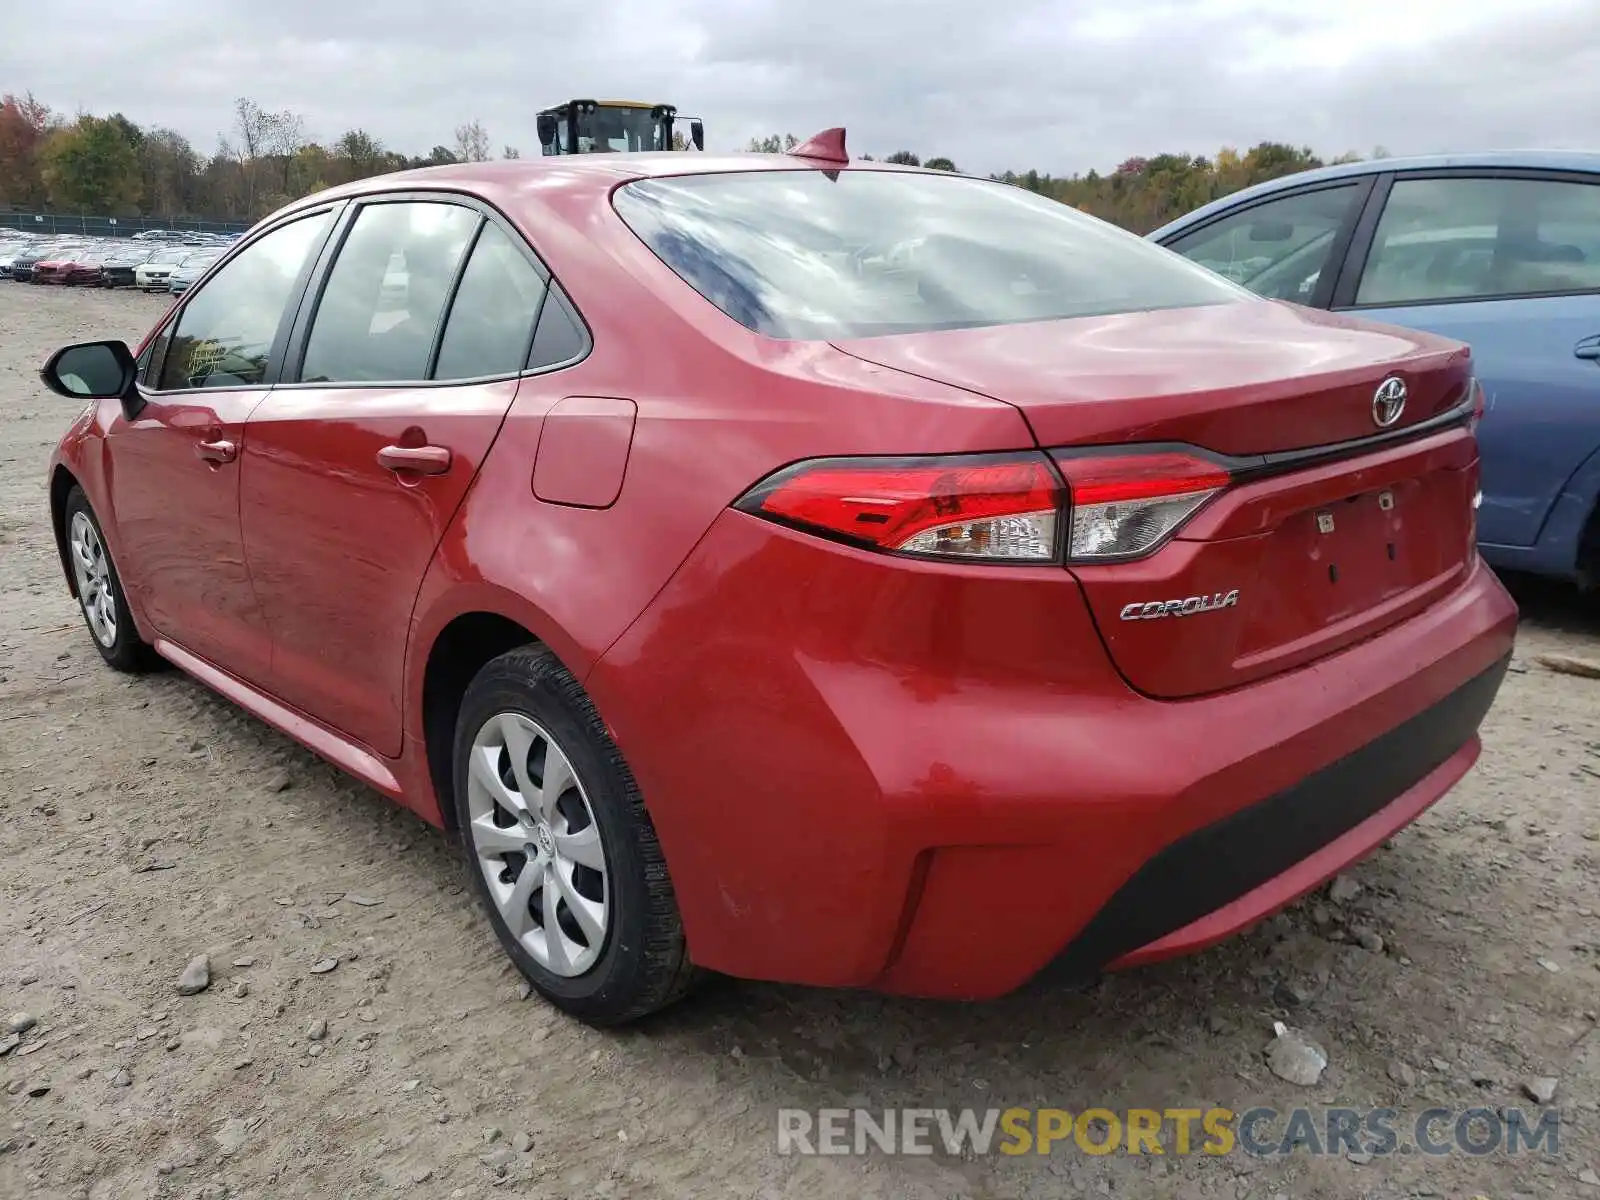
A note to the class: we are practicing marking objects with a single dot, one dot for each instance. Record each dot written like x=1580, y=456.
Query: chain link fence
x=51, y=223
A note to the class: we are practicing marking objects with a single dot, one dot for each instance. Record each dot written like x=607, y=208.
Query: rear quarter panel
x=718, y=408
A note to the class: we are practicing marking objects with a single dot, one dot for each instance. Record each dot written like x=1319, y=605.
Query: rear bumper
x=932, y=781
x=1210, y=883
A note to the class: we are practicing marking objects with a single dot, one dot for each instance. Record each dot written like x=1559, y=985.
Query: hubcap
x=93, y=572
x=537, y=844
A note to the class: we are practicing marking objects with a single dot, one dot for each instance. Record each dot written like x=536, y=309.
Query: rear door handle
x=422, y=460
x=1588, y=348
x=219, y=451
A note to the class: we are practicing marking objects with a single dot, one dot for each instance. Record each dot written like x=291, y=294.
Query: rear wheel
x=560, y=847
x=100, y=594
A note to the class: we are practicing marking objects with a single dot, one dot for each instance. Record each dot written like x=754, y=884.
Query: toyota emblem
x=1389, y=401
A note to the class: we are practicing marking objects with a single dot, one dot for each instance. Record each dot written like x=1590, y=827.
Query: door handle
x=422, y=460
x=1588, y=348
x=219, y=451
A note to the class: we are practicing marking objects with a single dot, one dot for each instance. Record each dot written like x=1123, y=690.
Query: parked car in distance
x=744, y=590
x=9, y=253
x=191, y=269
x=120, y=265
x=155, y=273
x=1501, y=251
x=80, y=266
x=51, y=255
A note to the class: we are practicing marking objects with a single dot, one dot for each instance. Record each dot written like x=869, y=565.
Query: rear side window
x=224, y=334
x=1477, y=239
x=809, y=254
x=491, y=319
x=561, y=336
x=380, y=310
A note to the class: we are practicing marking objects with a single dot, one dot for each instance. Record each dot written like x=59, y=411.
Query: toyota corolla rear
x=1212, y=627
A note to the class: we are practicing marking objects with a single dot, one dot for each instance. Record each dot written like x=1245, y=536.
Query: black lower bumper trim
x=1215, y=865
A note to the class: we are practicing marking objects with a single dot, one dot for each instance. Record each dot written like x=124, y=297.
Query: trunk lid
x=1305, y=553
x=1247, y=378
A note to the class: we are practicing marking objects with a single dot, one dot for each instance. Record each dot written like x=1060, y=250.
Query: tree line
x=1142, y=193
x=111, y=166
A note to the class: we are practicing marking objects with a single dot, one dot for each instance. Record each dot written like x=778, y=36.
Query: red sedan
x=63, y=266
x=802, y=569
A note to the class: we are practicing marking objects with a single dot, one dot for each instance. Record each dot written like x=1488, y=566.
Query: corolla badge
x=1151, y=610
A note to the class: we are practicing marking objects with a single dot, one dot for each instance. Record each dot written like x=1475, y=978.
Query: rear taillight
x=998, y=507
x=1127, y=505
x=1480, y=405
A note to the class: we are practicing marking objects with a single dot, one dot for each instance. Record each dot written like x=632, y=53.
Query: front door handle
x=219, y=451
x=1588, y=348
x=421, y=460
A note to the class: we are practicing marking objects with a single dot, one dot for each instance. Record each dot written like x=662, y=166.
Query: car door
x=174, y=468
x=398, y=380
x=1508, y=262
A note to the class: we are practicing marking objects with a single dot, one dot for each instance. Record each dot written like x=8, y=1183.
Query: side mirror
x=93, y=371
x=697, y=134
x=546, y=126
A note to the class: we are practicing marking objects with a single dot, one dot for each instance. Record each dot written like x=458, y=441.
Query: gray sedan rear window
x=808, y=254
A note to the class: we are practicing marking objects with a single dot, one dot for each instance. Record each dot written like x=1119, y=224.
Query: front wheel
x=560, y=847
x=100, y=594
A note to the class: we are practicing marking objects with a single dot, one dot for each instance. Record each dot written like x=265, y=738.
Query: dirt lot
x=145, y=822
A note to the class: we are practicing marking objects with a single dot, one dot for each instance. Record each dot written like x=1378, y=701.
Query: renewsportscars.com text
x=1260, y=1132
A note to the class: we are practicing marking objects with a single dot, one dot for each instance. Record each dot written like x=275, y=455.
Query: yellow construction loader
x=597, y=126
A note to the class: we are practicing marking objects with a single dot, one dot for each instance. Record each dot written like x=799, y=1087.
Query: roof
x=577, y=171
x=1528, y=160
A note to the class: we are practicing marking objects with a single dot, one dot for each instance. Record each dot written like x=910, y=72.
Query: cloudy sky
x=1059, y=85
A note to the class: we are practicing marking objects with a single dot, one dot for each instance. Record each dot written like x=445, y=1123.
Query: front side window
x=381, y=306
x=225, y=332
x=1277, y=249
x=809, y=254
x=1476, y=239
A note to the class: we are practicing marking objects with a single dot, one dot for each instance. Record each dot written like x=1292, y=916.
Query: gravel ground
x=145, y=822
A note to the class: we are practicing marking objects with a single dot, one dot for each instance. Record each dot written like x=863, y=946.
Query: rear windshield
x=808, y=254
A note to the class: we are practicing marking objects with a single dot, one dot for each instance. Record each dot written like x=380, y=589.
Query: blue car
x=1501, y=251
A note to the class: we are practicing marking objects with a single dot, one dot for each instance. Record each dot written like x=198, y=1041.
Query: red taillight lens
x=1126, y=505
x=1480, y=405
x=998, y=507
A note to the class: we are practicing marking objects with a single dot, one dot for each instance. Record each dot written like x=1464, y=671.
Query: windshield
x=616, y=129
x=816, y=255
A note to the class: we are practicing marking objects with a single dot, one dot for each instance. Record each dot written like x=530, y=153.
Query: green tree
x=90, y=167
x=904, y=158
x=772, y=144
x=940, y=164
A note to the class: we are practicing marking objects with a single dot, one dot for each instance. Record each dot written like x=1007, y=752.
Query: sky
x=1060, y=86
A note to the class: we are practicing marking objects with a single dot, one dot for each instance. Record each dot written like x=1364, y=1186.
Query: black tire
x=644, y=965
x=127, y=652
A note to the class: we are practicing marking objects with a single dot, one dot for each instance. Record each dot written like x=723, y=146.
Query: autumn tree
x=24, y=124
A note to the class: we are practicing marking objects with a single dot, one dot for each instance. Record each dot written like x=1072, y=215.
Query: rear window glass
x=809, y=254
